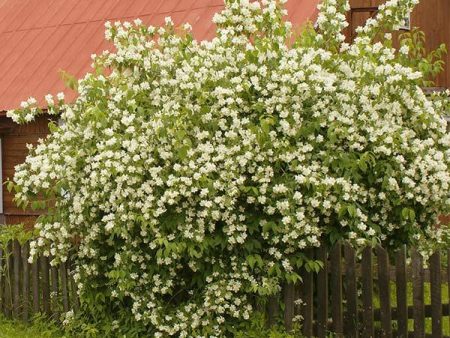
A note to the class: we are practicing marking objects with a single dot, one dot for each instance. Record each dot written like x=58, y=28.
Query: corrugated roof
x=38, y=38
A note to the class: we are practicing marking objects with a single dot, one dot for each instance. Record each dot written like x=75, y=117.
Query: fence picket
x=74, y=295
x=45, y=286
x=64, y=287
x=418, y=295
x=367, y=293
x=322, y=293
x=351, y=318
x=16, y=280
x=8, y=281
x=289, y=295
x=54, y=288
x=401, y=293
x=385, y=294
x=307, y=298
x=26, y=282
x=336, y=289
x=35, y=285
x=298, y=290
x=436, y=300
x=273, y=310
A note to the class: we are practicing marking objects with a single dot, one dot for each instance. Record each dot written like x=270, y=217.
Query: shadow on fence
x=337, y=300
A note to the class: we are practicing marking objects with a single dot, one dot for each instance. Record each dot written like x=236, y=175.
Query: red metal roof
x=38, y=38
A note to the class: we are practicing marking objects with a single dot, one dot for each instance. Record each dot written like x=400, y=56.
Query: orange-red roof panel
x=38, y=38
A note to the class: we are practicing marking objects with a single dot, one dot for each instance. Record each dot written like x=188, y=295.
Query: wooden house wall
x=14, y=140
x=431, y=16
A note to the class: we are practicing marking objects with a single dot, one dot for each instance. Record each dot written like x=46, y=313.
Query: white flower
x=49, y=99
x=404, y=50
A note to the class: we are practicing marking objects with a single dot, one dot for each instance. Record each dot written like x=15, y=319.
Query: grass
x=40, y=328
x=427, y=299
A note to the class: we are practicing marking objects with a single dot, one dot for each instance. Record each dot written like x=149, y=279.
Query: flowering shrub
x=192, y=175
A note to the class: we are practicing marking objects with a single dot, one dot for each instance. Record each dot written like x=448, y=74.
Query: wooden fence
x=37, y=288
x=355, y=296
x=352, y=296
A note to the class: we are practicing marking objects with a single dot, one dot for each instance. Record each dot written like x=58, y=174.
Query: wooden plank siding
x=14, y=141
x=431, y=16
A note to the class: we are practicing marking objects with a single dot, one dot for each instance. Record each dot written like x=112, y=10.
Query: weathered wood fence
x=352, y=296
x=37, y=288
x=355, y=296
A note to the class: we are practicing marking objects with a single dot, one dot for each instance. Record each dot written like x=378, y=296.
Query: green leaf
x=351, y=210
x=251, y=261
x=9, y=185
x=182, y=152
x=362, y=165
x=342, y=211
x=408, y=214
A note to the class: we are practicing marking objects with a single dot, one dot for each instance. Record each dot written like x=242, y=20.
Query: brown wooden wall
x=431, y=16
x=14, y=140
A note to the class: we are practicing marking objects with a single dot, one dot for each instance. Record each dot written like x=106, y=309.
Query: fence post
x=418, y=301
x=73, y=288
x=401, y=291
x=45, y=286
x=336, y=289
x=322, y=293
x=351, y=318
x=54, y=288
x=289, y=295
x=8, y=280
x=35, y=285
x=272, y=309
x=26, y=282
x=385, y=294
x=307, y=298
x=64, y=287
x=16, y=289
x=367, y=293
x=436, y=300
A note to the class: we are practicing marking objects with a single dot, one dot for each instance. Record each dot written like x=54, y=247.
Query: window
x=406, y=23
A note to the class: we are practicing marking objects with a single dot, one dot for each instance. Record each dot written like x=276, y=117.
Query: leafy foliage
x=41, y=327
x=14, y=232
x=416, y=56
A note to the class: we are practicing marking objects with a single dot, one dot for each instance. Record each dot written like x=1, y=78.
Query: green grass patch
x=40, y=328
x=427, y=299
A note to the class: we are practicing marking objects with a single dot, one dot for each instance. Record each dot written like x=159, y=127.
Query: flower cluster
x=193, y=175
x=390, y=16
x=332, y=21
